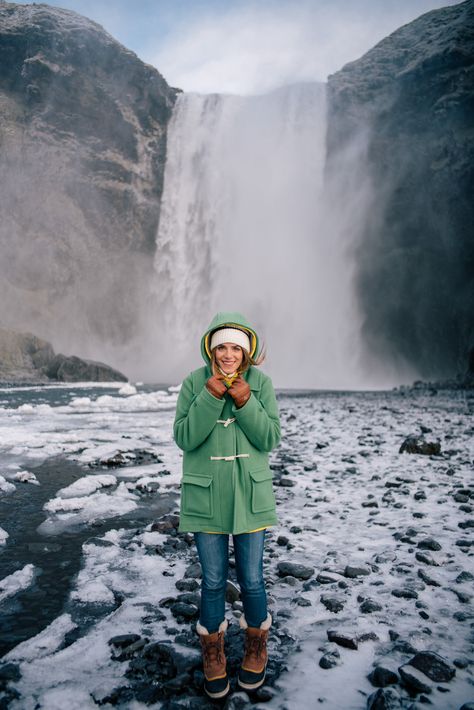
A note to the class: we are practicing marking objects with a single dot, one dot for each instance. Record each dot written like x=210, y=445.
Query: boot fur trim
x=266, y=623
x=202, y=631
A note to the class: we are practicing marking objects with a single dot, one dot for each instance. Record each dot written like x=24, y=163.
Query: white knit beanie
x=230, y=335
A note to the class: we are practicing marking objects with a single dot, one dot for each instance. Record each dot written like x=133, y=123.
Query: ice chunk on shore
x=3, y=536
x=87, y=485
x=5, y=486
x=26, y=477
x=127, y=389
x=14, y=583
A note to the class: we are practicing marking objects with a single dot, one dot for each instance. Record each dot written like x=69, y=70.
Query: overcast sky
x=249, y=46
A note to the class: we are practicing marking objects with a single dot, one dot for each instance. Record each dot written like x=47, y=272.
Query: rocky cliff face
x=82, y=150
x=406, y=110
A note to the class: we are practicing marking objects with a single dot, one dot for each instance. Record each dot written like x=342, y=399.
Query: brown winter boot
x=216, y=680
x=254, y=663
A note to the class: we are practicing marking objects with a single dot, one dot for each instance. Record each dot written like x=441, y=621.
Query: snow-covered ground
x=386, y=538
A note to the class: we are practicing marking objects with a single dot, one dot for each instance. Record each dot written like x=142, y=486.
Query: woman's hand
x=216, y=386
x=240, y=391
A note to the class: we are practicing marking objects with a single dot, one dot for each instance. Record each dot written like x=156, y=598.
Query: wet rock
x=182, y=609
x=405, y=593
x=187, y=585
x=282, y=540
x=384, y=699
x=414, y=679
x=343, y=639
x=433, y=665
x=380, y=677
x=426, y=558
x=330, y=659
x=232, y=593
x=123, y=640
x=331, y=603
x=193, y=571
x=286, y=482
x=418, y=445
x=368, y=606
x=465, y=524
x=427, y=579
x=464, y=576
x=429, y=543
x=166, y=523
x=328, y=577
x=9, y=672
x=352, y=571
x=295, y=570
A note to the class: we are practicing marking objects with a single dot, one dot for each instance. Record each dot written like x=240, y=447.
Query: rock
x=343, y=639
x=93, y=135
x=193, y=571
x=352, y=571
x=232, y=593
x=405, y=593
x=331, y=603
x=325, y=577
x=427, y=579
x=381, y=677
x=398, y=100
x=123, y=640
x=417, y=445
x=429, y=543
x=294, y=570
x=465, y=524
x=368, y=606
x=75, y=369
x=8, y=672
x=414, y=679
x=464, y=576
x=282, y=540
x=286, y=482
x=425, y=558
x=384, y=699
x=330, y=659
x=433, y=665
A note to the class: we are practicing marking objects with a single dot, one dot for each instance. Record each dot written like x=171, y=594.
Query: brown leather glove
x=216, y=386
x=240, y=391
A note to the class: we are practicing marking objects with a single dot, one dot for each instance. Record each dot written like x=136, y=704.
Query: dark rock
x=193, y=571
x=414, y=679
x=187, y=585
x=123, y=640
x=331, y=603
x=342, y=639
x=166, y=523
x=427, y=579
x=429, y=543
x=187, y=611
x=433, y=665
x=330, y=659
x=75, y=369
x=93, y=134
x=384, y=699
x=294, y=570
x=8, y=672
x=465, y=524
x=417, y=445
x=425, y=558
x=368, y=606
x=380, y=677
x=405, y=593
x=326, y=577
x=400, y=97
x=352, y=571
x=464, y=576
x=282, y=540
x=286, y=482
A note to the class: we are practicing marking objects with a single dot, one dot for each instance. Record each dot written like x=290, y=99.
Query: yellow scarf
x=228, y=378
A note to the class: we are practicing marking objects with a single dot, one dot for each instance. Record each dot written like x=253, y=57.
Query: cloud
x=254, y=47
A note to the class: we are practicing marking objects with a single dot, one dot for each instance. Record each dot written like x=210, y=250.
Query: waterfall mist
x=248, y=224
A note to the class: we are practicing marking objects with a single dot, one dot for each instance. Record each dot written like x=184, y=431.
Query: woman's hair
x=246, y=359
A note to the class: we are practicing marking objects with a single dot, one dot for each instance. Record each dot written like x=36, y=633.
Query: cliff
x=405, y=109
x=25, y=358
x=82, y=151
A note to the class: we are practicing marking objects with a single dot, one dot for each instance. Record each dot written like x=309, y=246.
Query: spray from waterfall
x=247, y=224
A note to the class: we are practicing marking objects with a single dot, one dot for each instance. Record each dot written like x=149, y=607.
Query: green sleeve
x=259, y=418
x=195, y=416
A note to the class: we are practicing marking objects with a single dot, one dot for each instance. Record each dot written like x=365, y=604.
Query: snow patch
x=16, y=582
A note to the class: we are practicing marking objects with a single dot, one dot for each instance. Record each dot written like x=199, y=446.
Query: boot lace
x=213, y=651
x=255, y=646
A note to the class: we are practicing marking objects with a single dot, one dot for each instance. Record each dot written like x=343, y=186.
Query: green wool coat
x=226, y=495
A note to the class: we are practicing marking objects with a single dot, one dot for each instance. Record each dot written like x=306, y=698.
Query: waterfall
x=246, y=224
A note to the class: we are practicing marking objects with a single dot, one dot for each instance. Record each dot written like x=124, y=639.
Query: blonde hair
x=246, y=360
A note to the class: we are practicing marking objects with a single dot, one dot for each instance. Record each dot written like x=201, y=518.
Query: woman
x=226, y=423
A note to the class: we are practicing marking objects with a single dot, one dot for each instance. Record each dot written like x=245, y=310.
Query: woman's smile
x=229, y=357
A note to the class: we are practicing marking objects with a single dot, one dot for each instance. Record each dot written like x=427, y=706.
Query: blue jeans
x=213, y=551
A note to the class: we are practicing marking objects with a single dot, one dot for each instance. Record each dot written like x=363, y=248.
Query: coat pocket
x=196, y=496
x=263, y=498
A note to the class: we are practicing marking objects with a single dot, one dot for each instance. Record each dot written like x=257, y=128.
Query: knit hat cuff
x=230, y=335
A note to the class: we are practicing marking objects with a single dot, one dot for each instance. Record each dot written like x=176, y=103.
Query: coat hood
x=233, y=319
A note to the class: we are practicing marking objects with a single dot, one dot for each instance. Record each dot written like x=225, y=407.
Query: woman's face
x=229, y=357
